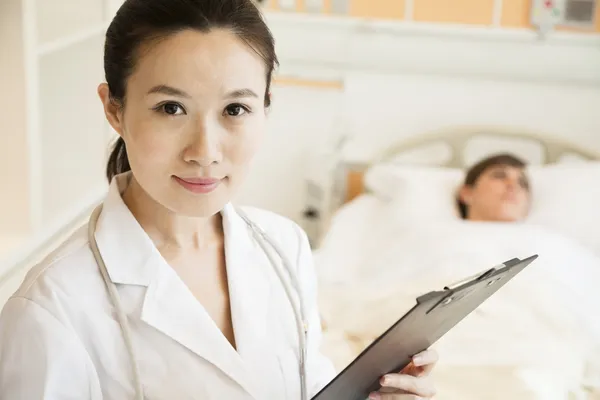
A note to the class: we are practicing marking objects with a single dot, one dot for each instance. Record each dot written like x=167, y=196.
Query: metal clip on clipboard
x=452, y=287
x=478, y=277
x=455, y=294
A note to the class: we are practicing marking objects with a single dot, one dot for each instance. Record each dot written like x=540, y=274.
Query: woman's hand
x=413, y=382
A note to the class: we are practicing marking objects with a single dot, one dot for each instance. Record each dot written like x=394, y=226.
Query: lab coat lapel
x=172, y=309
x=168, y=305
x=250, y=289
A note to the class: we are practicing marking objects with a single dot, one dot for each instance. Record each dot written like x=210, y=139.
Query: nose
x=204, y=146
x=513, y=182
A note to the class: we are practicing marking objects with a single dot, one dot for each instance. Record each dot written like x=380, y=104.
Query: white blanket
x=537, y=338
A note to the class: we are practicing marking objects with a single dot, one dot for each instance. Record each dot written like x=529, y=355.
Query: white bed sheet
x=537, y=338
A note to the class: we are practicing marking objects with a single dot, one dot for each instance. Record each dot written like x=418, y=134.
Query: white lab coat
x=60, y=339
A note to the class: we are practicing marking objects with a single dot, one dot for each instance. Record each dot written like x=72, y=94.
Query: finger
x=421, y=386
x=413, y=370
x=418, y=371
x=393, y=396
x=426, y=361
x=425, y=358
x=384, y=390
x=422, y=363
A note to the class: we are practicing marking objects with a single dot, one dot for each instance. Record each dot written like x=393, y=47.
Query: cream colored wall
x=383, y=108
x=14, y=164
x=73, y=138
x=389, y=81
x=60, y=18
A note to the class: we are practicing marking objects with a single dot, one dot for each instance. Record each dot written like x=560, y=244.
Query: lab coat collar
x=132, y=259
x=129, y=254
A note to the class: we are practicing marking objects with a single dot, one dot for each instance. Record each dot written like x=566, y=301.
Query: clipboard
x=435, y=314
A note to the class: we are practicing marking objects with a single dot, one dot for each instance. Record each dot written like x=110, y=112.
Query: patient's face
x=501, y=193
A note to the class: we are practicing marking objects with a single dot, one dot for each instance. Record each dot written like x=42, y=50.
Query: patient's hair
x=478, y=169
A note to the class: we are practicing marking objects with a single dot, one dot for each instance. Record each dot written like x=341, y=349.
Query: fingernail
x=383, y=381
x=374, y=396
x=417, y=360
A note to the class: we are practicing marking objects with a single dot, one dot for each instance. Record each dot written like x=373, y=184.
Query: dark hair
x=138, y=22
x=478, y=169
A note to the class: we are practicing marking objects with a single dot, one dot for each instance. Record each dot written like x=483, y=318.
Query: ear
x=270, y=102
x=111, y=110
x=465, y=194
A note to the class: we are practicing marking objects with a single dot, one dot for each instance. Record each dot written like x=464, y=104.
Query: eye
x=499, y=174
x=171, y=108
x=236, y=110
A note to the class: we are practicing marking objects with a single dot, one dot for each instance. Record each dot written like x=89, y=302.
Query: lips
x=198, y=185
x=200, y=181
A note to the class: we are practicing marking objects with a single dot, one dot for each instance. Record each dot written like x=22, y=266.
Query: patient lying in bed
x=495, y=189
x=537, y=338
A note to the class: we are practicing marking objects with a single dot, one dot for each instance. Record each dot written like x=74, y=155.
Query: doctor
x=198, y=310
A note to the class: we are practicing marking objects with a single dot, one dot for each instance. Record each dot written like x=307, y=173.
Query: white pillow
x=565, y=197
x=419, y=192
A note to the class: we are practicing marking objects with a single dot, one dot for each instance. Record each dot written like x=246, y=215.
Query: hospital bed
x=399, y=235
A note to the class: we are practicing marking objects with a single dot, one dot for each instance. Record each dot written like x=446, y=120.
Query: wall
x=421, y=103
x=387, y=81
x=301, y=120
x=14, y=171
x=73, y=137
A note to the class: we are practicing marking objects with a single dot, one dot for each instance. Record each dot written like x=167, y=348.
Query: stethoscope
x=263, y=239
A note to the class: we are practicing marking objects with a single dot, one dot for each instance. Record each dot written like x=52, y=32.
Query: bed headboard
x=458, y=138
x=461, y=146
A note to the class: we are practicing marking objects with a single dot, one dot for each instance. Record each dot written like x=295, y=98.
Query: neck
x=475, y=217
x=166, y=228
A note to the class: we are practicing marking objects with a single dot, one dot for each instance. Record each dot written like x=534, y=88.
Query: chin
x=196, y=207
x=204, y=208
x=510, y=213
x=509, y=217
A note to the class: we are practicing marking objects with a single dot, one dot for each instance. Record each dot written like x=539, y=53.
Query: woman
x=496, y=189
x=187, y=89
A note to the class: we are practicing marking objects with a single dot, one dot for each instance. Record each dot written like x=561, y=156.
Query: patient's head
x=495, y=189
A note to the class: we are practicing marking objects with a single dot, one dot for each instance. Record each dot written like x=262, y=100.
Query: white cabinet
x=54, y=136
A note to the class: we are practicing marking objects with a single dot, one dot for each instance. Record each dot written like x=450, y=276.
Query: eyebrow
x=168, y=90
x=171, y=91
x=236, y=94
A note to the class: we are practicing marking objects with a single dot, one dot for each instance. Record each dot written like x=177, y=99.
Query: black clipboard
x=431, y=318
